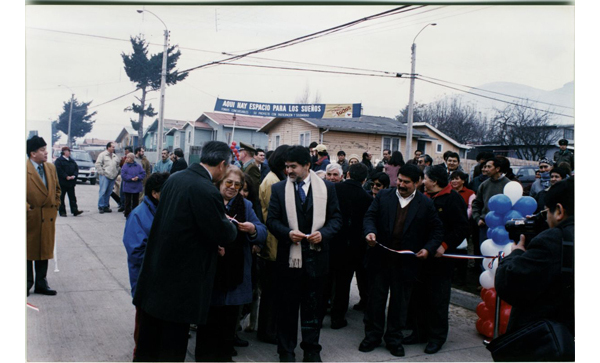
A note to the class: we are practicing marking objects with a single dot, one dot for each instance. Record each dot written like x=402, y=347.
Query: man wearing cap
x=249, y=165
x=43, y=200
x=544, y=181
x=108, y=169
x=322, y=158
x=67, y=171
x=563, y=154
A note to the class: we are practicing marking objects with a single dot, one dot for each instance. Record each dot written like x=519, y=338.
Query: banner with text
x=316, y=110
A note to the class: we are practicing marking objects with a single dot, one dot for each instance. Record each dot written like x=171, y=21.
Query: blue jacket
x=135, y=237
x=162, y=166
x=130, y=171
x=242, y=294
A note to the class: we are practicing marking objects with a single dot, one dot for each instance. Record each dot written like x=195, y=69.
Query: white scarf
x=319, y=195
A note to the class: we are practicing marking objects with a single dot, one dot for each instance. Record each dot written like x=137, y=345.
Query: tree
x=418, y=110
x=81, y=121
x=520, y=124
x=304, y=99
x=55, y=132
x=145, y=72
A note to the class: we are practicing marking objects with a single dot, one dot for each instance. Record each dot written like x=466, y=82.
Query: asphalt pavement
x=92, y=318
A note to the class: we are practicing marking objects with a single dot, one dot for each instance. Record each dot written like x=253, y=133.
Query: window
x=228, y=138
x=189, y=137
x=569, y=134
x=391, y=143
x=439, y=148
x=421, y=145
x=304, y=138
x=275, y=141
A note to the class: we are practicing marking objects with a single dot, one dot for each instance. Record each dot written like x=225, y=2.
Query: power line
x=306, y=37
x=396, y=75
x=498, y=93
x=495, y=99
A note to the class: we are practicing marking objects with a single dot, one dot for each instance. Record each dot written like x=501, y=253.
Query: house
x=94, y=144
x=150, y=141
x=353, y=135
x=442, y=144
x=127, y=137
x=239, y=128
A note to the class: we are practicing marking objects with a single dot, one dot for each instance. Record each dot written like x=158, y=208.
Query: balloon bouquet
x=235, y=149
x=503, y=207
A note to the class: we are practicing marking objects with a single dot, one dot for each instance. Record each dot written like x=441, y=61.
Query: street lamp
x=70, y=114
x=409, y=126
x=163, y=81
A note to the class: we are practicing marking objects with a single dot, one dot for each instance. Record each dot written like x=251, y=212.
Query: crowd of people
x=279, y=236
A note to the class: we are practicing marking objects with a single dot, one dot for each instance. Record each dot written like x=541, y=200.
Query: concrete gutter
x=464, y=299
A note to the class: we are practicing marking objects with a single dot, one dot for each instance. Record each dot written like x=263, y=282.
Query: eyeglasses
x=378, y=185
x=544, y=213
x=230, y=183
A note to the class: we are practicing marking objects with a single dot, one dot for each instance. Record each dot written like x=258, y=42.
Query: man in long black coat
x=348, y=247
x=303, y=216
x=399, y=219
x=176, y=280
x=67, y=172
x=431, y=296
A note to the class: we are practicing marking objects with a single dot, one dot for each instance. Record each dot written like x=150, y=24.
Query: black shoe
x=63, y=214
x=27, y=292
x=396, y=350
x=77, y=213
x=312, y=357
x=239, y=342
x=45, y=291
x=107, y=210
x=121, y=209
x=101, y=210
x=432, y=348
x=339, y=324
x=413, y=339
x=360, y=306
x=287, y=357
x=367, y=346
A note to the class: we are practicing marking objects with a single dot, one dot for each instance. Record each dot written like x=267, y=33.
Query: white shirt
x=306, y=184
x=209, y=174
x=404, y=201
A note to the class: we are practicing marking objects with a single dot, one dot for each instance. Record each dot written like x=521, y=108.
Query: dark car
x=87, y=167
x=526, y=176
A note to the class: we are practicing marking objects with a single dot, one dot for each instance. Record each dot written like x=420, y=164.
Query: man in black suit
x=399, y=219
x=176, y=280
x=179, y=163
x=348, y=247
x=304, y=217
x=67, y=171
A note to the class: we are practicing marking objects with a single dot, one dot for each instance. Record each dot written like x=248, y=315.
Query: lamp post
x=411, y=99
x=70, y=115
x=163, y=81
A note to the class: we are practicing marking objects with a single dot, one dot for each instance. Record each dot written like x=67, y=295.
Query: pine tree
x=81, y=121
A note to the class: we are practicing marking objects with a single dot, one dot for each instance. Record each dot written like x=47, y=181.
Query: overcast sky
x=81, y=46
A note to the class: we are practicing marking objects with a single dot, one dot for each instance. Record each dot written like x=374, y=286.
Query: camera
x=529, y=227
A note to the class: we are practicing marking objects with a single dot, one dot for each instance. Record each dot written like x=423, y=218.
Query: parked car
x=526, y=176
x=87, y=168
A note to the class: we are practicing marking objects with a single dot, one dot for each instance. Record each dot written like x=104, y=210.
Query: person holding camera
x=537, y=277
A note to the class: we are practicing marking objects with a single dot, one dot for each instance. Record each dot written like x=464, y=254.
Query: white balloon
x=514, y=191
x=486, y=279
x=508, y=249
x=487, y=263
x=489, y=248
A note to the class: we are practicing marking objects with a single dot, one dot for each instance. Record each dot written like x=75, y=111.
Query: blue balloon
x=237, y=147
x=489, y=233
x=525, y=205
x=499, y=235
x=513, y=214
x=500, y=204
x=493, y=219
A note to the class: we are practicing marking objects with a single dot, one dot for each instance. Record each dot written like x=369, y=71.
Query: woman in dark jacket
x=233, y=285
x=132, y=175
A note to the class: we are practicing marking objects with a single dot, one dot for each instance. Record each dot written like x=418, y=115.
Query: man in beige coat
x=43, y=201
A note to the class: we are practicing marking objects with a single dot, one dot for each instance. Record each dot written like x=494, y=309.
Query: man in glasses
x=176, y=279
x=543, y=182
x=537, y=278
x=304, y=217
x=381, y=181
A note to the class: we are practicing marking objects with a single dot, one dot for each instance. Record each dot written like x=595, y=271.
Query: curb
x=464, y=299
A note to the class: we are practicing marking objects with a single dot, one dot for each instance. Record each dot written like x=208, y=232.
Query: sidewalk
x=92, y=318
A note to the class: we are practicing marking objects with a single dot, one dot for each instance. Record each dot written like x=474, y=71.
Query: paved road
x=91, y=318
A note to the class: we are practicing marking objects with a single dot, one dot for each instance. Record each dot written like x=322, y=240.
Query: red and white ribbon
x=33, y=307
x=447, y=255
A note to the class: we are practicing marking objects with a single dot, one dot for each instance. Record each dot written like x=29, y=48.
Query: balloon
x=526, y=205
x=483, y=291
x=507, y=249
x=490, y=299
x=513, y=214
x=486, y=279
x=479, y=325
x=499, y=235
x=480, y=309
x=490, y=264
x=488, y=328
x=237, y=147
x=514, y=191
x=489, y=248
x=233, y=143
x=493, y=219
x=500, y=203
x=489, y=233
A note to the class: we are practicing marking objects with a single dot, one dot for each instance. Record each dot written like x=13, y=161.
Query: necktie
x=41, y=172
x=301, y=191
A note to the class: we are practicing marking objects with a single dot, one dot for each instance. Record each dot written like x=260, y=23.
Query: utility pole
x=70, y=116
